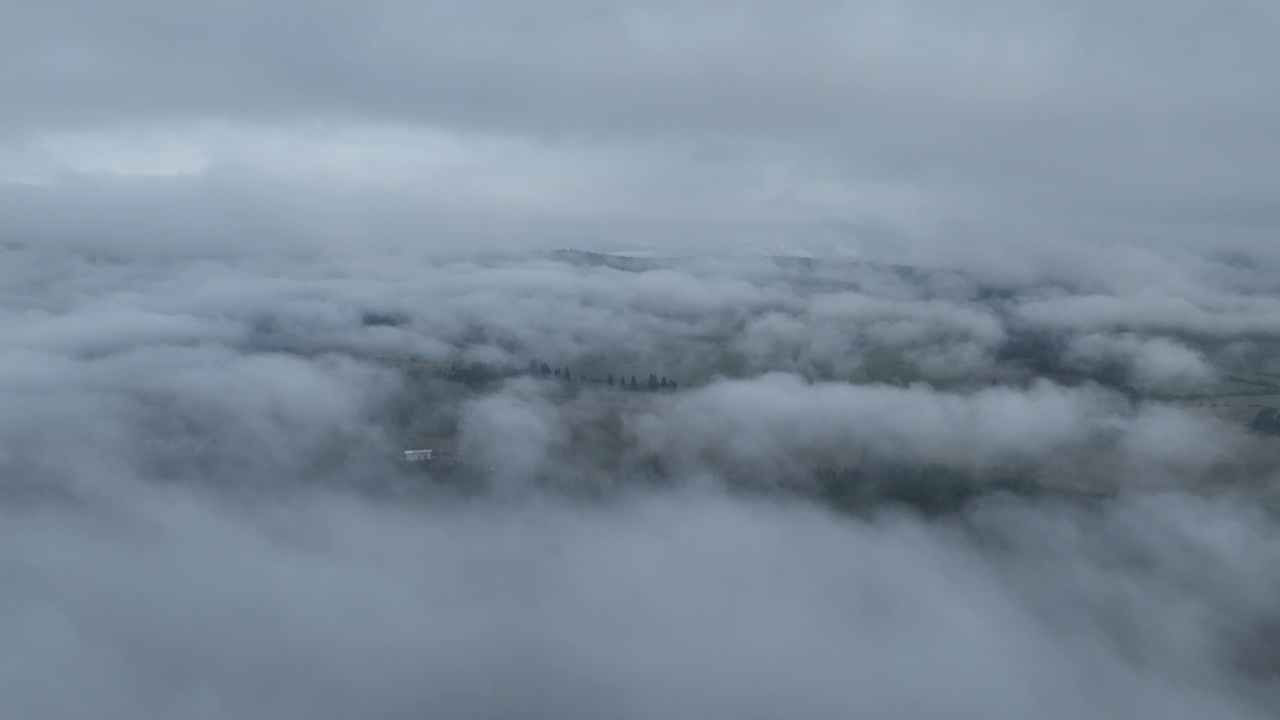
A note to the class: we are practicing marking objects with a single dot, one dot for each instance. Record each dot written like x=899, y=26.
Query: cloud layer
x=894, y=129
x=208, y=518
x=945, y=291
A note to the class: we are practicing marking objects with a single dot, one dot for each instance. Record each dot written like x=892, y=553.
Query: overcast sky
x=919, y=130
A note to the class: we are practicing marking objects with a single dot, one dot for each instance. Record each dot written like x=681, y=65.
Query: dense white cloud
x=1156, y=310
x=654, y=606
x=1157, y=364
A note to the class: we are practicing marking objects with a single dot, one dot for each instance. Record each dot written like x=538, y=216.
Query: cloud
x=227, y=227
x=653, y=607
x=1155, y=310
x=897, y=130
x=207, y=513
x=1152, y=363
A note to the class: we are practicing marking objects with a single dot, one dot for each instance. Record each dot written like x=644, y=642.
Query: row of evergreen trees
x=653, y=384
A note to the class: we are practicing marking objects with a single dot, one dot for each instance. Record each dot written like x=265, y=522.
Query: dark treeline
x=622, y=381
x=931, y=490
x=477, y=375
x=473, y=374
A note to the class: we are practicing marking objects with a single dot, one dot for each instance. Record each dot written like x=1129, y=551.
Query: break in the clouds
x=906, y=129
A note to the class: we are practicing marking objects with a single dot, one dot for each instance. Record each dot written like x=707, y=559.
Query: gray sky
x=916, y=129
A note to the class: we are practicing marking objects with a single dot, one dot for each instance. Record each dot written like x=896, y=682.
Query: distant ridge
x=599, y=259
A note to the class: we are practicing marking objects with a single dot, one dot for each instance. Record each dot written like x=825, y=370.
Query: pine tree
x=663, y=383
x=533, y=367
x=557, y=372
x=653, y=382
x=609, y=379
x=634, y=384
x=567, y=375
x=546, y=370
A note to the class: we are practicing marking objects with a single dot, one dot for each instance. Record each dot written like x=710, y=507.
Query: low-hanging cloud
x=1152, y=363
x=206, y=515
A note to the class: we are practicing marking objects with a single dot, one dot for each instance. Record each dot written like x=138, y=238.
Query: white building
x=417, y=455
